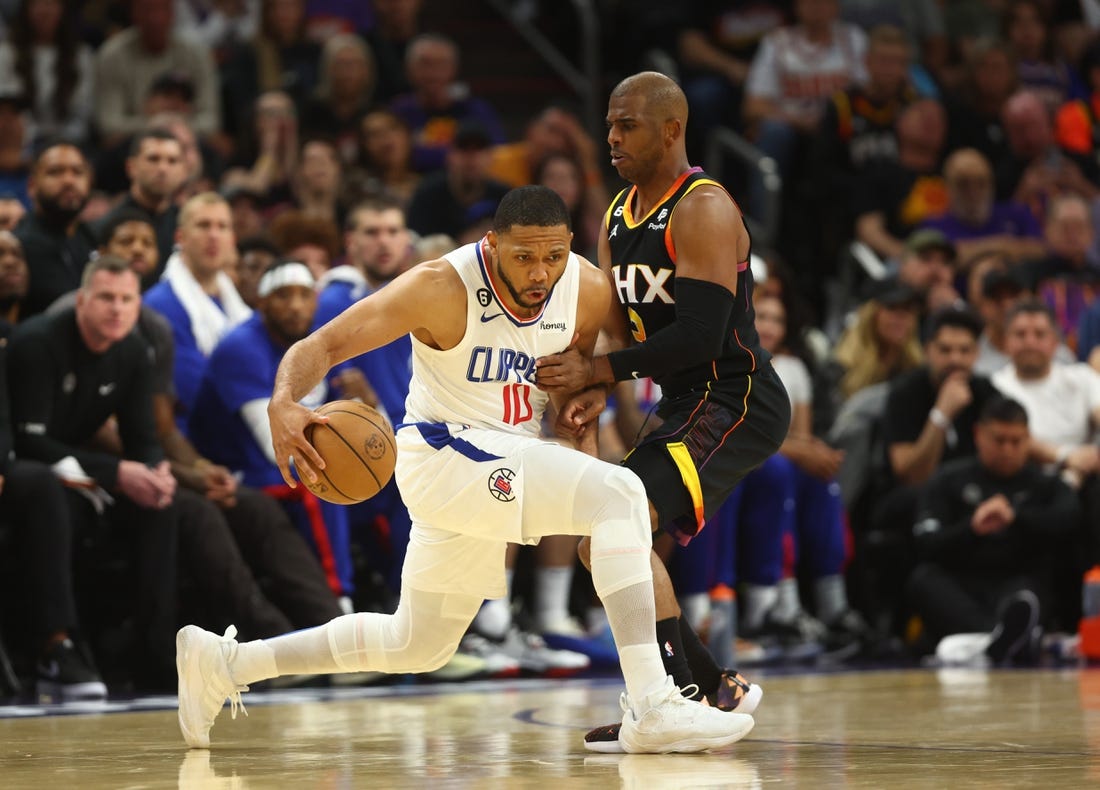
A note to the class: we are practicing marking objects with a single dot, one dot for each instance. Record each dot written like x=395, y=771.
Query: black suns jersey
x=643, y=267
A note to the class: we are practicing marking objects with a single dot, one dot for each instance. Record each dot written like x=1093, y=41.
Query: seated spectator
x=129, y=62
x=396, y=24
x=12, y=211
x=316, y=182
x=923, y=25
x=1035, y=169
x=246, y=207
x=56, y=242
x=229, y=421
x=384, y=165
x=880, y=342
x=50, y=69
x=14, y=278
x=984, y=531
x=219, y=26
x=927, y=265
x=443, y=202
x=858, y=126
x=564, y=174
x=928, y=419
x=196, y=295
x=974, y=107
x=343, y=96
x=68, y=374
x=715, y=46
x=438, y=104
x=156, y=172
x=254, y=255
x=974, y=222
x=995, y=289
x=1065, y=279
x=1076, y=126
x=15, y=165
x=314, y=241
x=795, y=70
x=1026, y=29
x=281, y=58
x=1063, y=409
x=892, y=199
x=267, y=153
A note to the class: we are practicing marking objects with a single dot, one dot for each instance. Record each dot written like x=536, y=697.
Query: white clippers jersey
x=488, y=379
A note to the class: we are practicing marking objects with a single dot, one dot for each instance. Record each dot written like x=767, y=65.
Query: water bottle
x=1090, y=614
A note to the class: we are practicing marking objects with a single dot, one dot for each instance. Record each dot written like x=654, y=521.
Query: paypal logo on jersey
x=500, y=364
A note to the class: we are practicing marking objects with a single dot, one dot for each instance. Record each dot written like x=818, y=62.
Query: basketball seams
x=355, y=452
x=362, y=446
x=383, y=428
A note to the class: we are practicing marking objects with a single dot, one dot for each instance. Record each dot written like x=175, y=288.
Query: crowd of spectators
x=939, y=161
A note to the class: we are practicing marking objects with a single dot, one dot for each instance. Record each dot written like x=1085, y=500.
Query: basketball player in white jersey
x=475, y=475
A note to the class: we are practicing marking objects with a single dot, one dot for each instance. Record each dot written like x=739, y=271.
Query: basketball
x=359, y=451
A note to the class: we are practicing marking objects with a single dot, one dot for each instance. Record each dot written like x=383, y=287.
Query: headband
x=284, y=275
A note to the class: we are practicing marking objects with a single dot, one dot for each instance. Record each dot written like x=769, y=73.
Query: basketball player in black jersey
x=676, y=249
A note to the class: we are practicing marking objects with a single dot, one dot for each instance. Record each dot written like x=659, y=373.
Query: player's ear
x=491, y=237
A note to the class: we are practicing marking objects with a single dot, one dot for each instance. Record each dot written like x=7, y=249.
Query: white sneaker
x=964, y=650
x=535, y=656
x=202, y=662
x=497, y=663
x=668, y=722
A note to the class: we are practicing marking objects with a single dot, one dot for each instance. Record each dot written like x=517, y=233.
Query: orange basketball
x=359, y=451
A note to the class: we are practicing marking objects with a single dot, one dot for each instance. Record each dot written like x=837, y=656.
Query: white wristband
x=939, y=419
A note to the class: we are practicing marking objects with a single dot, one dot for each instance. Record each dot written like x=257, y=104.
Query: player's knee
x=624, y=521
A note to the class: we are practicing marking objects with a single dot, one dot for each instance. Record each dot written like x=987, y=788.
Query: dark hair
x=1030, y=307
x=535, y=206
x=49, y=143
x=121, y=217
x=103, y=263
x=957, y=318
x=1002, y=409
x=257, y=243
x=156, y=133
x=293, y=228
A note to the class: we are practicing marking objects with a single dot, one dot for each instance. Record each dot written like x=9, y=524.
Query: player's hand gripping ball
x=358, y=446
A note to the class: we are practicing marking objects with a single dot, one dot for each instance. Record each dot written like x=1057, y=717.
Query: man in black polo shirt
x=68, y=374
x=929, y=418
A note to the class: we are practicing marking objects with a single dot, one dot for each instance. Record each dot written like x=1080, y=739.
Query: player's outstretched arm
x=428, y=301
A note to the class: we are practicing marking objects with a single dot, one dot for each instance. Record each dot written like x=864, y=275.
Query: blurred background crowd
x=921, y=179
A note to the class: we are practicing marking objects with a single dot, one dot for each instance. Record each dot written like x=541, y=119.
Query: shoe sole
x=695, y=743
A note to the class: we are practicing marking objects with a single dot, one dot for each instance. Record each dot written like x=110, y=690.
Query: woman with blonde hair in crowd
x=344, y=94
x=882, y=342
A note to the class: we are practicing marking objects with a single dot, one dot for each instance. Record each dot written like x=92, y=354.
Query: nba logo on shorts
x=500, y=484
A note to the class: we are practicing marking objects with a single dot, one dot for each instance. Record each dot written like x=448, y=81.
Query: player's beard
x=518, y=295
x=55, y=214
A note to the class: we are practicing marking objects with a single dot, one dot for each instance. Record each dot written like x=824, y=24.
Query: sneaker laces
x=669, y=691
x=235, y=701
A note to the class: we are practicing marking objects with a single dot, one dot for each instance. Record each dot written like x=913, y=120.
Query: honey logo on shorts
x=500, y=485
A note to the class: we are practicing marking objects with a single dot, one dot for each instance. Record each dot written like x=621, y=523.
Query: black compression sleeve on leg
x=673, y=655
x=703, y=668
x=698, y=334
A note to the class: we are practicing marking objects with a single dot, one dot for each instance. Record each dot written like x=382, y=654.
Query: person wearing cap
x=156, y=172
x=974, y=222
x=228, y=422
x=439, y=104
x=930, y=416
x=927, y=265
x=445, y=202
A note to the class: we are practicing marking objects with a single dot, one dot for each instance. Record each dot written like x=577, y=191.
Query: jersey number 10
x=517, y=403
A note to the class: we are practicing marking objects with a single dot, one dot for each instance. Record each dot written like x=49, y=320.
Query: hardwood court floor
x=882, y=729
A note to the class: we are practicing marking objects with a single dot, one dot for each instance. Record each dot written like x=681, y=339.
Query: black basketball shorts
x=707, y=443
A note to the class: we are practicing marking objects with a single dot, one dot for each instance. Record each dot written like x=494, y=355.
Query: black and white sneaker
x=1015, y=634
x=65, y=674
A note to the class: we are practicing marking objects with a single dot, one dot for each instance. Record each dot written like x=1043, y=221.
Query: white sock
x=787, y=604
x=494, y=618
x=297, y=653
x=759, y=599
x=631, y=614
x=552, y=586
x=831, y=597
